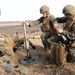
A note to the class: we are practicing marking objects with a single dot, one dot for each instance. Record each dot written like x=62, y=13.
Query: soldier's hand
x=26, y=23
x=59, y=30
x=55, y=26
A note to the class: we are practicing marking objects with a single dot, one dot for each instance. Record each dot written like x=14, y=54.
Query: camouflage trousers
x=71, y=54
x=54, y=39
x=44, y=37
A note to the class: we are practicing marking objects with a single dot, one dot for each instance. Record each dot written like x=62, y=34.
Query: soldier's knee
x=48, y=40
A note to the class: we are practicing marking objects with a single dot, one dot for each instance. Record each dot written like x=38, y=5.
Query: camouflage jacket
x=68, y=27
x=46, y=23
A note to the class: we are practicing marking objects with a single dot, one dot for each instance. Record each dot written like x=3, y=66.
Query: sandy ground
x=38, y=68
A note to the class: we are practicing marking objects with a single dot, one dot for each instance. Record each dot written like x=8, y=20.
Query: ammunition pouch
x=58, y=54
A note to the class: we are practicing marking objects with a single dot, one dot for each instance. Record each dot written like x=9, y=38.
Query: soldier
x=47, y=26
x=68, y=31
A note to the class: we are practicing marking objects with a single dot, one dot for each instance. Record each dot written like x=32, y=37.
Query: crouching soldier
x=68, y=31
x=47, y=26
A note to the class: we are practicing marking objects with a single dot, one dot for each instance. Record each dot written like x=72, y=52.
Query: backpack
x=58, y=54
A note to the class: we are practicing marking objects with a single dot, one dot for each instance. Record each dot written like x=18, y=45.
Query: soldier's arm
x=33, y=23
x=60, y=20
x=52, y=18
x=71, y=34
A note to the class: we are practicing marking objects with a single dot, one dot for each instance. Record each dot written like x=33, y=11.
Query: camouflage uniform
x=69, y=32
x=47, y=26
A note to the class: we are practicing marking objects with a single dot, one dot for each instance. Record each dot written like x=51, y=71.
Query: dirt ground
x=36, y=68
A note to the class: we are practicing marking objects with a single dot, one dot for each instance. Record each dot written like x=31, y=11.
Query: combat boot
x=46, y=48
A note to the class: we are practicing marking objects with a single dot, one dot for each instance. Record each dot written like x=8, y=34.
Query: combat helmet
x=44, y=8
x=69, y=9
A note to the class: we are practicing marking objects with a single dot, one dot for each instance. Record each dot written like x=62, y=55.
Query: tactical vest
x=47, y=24
x=68, y=25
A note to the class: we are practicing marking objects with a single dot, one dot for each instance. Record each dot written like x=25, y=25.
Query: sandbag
x=5, y=47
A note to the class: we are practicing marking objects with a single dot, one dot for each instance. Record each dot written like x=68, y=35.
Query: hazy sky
x=21, y=10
